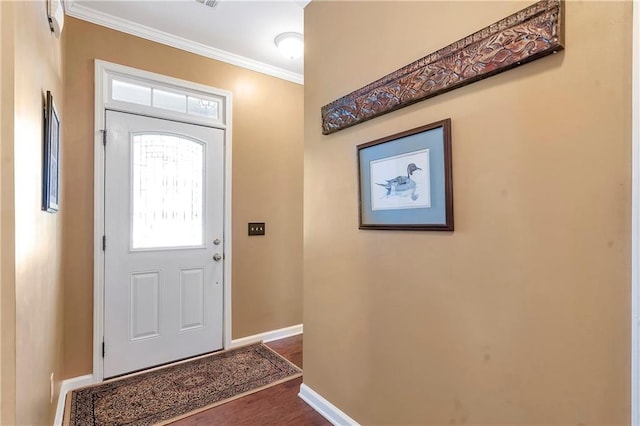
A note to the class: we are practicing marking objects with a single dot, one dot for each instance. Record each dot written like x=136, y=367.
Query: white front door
x=163, y=295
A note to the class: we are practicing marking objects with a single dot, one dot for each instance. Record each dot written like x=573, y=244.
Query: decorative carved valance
x=527, y=35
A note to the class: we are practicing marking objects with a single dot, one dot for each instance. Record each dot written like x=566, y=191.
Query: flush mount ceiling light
x=290, y=44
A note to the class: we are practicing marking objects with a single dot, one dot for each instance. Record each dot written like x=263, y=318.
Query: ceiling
x=234, y=31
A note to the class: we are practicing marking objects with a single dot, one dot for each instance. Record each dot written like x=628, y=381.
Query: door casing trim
x=102, y=71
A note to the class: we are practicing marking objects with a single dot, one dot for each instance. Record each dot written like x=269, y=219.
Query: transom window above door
x=155, y=97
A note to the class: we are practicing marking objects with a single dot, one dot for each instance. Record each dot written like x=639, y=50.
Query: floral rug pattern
x=173, y=391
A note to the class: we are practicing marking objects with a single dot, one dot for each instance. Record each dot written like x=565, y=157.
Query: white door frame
x=635, y=219
x=103, y=71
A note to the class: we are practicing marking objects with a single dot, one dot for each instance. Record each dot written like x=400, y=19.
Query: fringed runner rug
x=178, y=390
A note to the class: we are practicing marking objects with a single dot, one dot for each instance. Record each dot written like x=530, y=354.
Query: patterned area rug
x=172, y=392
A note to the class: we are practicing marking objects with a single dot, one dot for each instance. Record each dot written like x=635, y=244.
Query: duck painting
x=402, y=185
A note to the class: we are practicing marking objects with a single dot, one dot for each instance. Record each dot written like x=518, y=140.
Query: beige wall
x=267, y=182
x=7, y=221
x=520, y=316
x=31, y=239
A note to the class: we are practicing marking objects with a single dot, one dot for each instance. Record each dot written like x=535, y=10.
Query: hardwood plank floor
x=290, y=348
x=277, y=405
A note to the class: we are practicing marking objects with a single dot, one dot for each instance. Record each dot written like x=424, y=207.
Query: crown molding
x=80, y=11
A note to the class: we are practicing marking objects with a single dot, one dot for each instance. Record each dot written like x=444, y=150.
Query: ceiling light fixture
x=290, y=44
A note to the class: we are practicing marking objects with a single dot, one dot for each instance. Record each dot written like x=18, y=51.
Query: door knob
x=217, y=257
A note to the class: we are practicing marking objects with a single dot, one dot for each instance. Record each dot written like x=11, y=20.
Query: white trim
x=268, y=336
x=100, y=18
x=102, y=72
x=329, y=411
x=228, y=107
x=635, y=218
x=66, y=386
x=98, y=220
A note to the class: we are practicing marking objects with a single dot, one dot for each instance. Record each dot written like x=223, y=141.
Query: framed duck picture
x=405, y=180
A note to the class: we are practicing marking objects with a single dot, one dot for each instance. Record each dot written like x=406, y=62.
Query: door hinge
x=103, y=349
x=104, y=242
x=104, y=137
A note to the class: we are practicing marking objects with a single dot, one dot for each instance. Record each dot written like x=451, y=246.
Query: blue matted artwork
x=405, y=180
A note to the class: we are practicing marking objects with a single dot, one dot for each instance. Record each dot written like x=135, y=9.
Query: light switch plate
x=256, y=228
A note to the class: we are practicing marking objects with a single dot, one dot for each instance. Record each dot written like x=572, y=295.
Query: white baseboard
x=268, y=336
x=329, y=411
x=66, y=386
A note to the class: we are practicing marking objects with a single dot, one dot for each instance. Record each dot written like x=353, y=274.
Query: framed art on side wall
x=50, y=166
x=405, y=180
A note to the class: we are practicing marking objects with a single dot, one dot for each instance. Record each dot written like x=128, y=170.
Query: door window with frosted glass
x=167, y=206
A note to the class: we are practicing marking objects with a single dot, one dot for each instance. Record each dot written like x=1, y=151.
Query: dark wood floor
x=277, y=405
x=290, y=348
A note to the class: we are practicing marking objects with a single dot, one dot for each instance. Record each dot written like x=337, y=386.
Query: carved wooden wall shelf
x=526, y=35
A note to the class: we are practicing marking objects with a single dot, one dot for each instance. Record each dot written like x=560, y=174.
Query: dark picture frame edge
x=51, y=157
x=448, y=226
